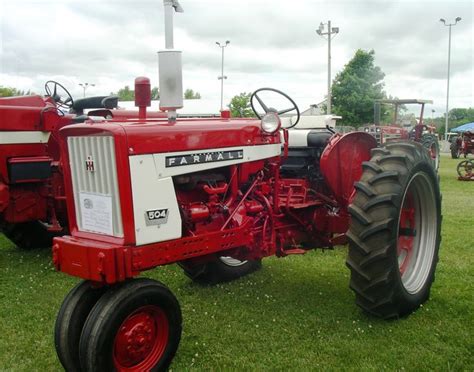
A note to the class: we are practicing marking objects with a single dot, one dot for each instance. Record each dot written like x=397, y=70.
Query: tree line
x=127, y=94
x=354, y=90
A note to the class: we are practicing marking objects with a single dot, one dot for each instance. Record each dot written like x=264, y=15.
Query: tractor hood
x=184, y=135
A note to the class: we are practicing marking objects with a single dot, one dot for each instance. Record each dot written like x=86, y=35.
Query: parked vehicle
x=216, y=196
x=462, y=144
x=424, y=134
x=32, y=199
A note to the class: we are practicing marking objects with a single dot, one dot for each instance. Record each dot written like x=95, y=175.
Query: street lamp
x=330, y=31
x=222, y=77
x=449, y=68
x=85, y=86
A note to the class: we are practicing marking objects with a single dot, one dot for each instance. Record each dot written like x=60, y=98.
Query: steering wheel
x=63, y=99
x=267, y=109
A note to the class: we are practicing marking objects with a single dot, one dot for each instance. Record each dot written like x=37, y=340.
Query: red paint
x=341, y=163
x=142, y=95
x=225, y=114
x=141, y=339
x=44, y=200
x=407, y=233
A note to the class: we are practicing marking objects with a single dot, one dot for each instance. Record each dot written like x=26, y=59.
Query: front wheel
x=394, y=234
x=135, y=326
x=70, y=320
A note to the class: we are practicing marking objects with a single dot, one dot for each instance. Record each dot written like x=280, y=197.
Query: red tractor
x=32, y=199
x=217, y=196
x=424, y=134
x=462, y=145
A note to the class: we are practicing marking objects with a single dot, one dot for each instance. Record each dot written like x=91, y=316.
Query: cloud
x=273, y=43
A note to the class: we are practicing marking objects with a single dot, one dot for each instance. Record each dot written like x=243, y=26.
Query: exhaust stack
x=170, y=66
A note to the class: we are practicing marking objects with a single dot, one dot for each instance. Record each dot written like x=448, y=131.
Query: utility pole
x=84, y=87
x=449, y=69
x=222, y=77
x=330, y=31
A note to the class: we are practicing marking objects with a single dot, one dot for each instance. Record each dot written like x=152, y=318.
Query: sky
x=272, y=44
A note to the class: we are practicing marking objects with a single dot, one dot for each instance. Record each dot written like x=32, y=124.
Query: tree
x=387, y=112
x=126, y=94
x=356, y=88
x=240, y=106
x=155, y=94
x=10, y=92
x=190, y=94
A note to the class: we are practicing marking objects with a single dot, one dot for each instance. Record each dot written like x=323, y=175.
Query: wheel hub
x=416, y=233
x=141, y=339
x=406, y=236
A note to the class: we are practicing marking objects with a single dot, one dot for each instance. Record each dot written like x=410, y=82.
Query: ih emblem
x=90, y=164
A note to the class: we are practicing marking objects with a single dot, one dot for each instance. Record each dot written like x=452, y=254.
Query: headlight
x=271, y=122
x=366, y=129
x=378, y=130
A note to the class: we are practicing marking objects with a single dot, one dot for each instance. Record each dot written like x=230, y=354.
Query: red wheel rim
x=433, y=151
x=141, y=339
x=406, y=234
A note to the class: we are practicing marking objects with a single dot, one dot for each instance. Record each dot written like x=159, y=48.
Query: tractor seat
x=107, y=102
x=298, y=138
x=304, y=149
x=318, y=139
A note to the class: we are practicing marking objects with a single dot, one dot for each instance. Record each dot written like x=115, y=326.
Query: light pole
x=222, y=77
x=330, y=31
x=449, y=68
x=85, y=86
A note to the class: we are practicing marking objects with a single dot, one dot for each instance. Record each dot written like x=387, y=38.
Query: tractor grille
x=95, y=185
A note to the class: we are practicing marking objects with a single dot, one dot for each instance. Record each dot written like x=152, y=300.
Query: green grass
x=296, y=313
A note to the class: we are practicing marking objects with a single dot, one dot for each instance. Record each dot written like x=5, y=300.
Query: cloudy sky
x=273, y=43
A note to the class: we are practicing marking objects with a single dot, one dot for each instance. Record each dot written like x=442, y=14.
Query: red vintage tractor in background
x=462, y=145
x=217, y=196
x=32, y=199
x=424, y=134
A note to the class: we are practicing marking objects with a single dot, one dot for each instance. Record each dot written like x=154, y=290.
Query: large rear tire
x=395, y=229
x=27, y=235
x=430, y=142
x=220, y=269
x=455, y=149
x=70, y=320
x=135, y=326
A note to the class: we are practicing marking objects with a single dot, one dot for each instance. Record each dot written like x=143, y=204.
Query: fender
x=341, y=163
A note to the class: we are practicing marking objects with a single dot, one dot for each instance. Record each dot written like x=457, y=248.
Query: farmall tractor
x=217, y=196
x=424, y=134
x=32, y=199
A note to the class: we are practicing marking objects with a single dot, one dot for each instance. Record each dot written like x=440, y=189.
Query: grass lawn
x=296, y=313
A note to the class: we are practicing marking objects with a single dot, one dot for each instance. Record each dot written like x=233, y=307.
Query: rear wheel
x=70, y=320
x=394, y=233
x=135, y=326
x=28, y=235
x=455, y=149
x=430, y=142
x=220, y=269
